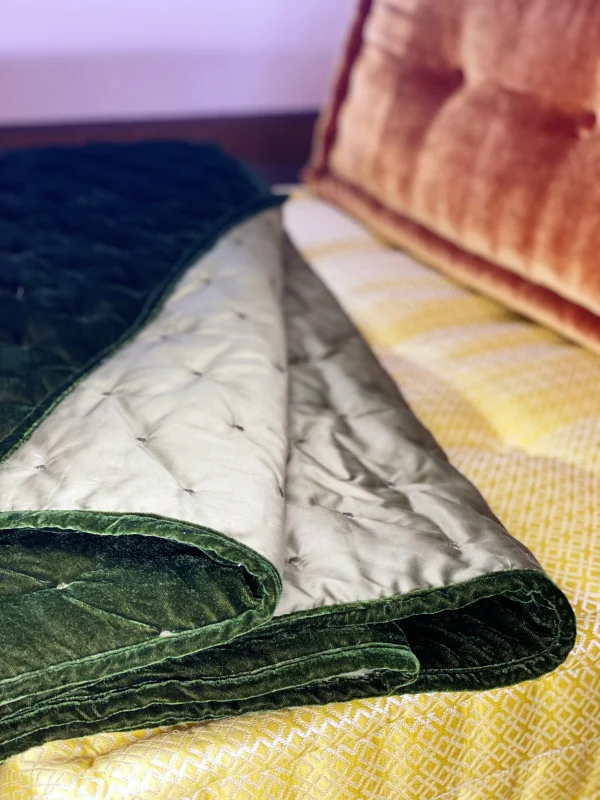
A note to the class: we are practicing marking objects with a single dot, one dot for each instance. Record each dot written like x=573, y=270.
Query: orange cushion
x=465, y=131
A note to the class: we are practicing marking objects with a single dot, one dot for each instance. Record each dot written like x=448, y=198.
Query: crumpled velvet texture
x=466, y=132
x=116, y=619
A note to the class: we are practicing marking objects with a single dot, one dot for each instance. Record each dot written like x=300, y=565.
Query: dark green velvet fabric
x=165, y=621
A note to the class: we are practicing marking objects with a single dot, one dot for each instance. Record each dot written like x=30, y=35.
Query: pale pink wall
x=82, y=59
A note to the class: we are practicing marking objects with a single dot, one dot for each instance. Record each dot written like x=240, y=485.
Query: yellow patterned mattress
x=517, y=409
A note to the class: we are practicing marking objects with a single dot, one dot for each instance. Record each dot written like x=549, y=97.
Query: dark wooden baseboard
x=277, y=146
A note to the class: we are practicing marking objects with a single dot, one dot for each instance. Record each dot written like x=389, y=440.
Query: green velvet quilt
x=213, y=500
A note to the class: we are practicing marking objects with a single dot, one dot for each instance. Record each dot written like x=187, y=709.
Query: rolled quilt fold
x=213, y=499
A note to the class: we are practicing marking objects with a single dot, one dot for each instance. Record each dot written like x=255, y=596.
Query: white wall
x=80, y=59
